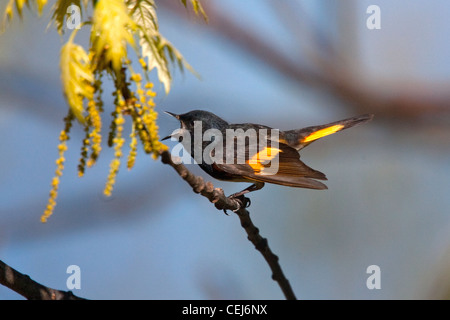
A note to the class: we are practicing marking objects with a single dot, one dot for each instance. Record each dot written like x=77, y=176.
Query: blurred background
x=286, y=64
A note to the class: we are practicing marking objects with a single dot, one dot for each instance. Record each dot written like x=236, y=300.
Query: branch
x=206, y=189
x=222, y=202
x=30, y=289
x=262, y=246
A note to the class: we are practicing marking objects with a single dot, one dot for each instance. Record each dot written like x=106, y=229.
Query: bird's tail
x=300, y=138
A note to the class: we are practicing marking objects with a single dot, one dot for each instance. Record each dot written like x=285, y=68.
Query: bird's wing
x=275, y=163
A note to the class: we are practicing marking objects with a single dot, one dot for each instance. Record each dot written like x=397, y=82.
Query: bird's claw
x=243, y=201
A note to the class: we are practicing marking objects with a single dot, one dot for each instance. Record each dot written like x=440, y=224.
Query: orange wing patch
x=322, y=133
x=260, y=159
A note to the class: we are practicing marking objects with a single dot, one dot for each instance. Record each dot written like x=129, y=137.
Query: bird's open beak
x=176, y=116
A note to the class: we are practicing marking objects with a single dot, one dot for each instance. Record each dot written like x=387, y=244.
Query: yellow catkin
x=95, y=134
x=84, y=152
x=62, y=147
x=149, y=118
x=133, y=150
x=118, y=142
x=145, y=117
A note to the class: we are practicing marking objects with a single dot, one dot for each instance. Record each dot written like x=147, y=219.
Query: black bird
x=256, y=153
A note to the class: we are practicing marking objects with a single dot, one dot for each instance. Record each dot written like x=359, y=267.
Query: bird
x=254, y=153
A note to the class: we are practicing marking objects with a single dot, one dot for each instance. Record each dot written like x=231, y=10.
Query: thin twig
x=222, y=202
x=206, y=189
x=30, y=289
x=261, y=244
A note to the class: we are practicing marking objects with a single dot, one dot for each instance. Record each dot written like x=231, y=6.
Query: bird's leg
x=245, y=202
x=254, y=187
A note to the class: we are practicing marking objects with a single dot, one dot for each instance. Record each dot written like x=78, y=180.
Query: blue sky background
x=387, y=202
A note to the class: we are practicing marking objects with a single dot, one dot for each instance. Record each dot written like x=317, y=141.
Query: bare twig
x=222, y=202
x=262, y=246
x=30, y=289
